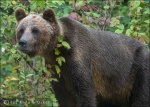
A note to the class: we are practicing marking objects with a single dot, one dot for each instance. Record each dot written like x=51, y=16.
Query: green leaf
x=88, y=13
x=52, y=96
x=27, y=87
x=131, y=27
x=59, y=45
x=134, y=21
x=66, y=45
x=147, y=11
x=114, y=22
x=53, y=79
x=28, y=80
x=79, y=2
x=84, y=18
x=106, y=7
x=47, y=81
x=147, y=21
x=95, y=15
x=65, y=12
x=55, y=104
x=1, y=80
x=13, y=50
x=128, y=32
x=57, y=69
x=34, y=82
x=136, y=4
x=121, y=26
x=60, y=2
x=14, y=2
x=40, y=3
x=60, y=60
x=60, y=38
x=3, y=62
x=57, y=52
x=29, y=75
x=118, y=31
x=139, y=9
x=22, y=75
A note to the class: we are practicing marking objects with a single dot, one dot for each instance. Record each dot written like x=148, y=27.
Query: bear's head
x=36, y=34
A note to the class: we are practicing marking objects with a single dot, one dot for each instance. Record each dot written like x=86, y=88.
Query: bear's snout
x=23, y=46
x=22, y=43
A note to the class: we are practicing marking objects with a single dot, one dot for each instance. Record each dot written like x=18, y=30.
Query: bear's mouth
x=24, y=50
x=30, y=53
x=27, y=50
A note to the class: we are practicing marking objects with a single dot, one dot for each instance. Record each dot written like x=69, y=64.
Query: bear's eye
x=21, y=31
x=35, y=30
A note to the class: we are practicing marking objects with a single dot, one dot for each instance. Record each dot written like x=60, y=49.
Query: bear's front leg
x=80, y=83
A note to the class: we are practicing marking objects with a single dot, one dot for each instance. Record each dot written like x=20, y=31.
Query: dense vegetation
x=22, y=82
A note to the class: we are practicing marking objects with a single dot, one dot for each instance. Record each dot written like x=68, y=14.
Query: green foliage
x=60, y=59
x=62, y=43
x=22, y=78
x=133, y=21
x=140, y=15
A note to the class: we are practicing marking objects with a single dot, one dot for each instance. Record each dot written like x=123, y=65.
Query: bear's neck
x=50, y=57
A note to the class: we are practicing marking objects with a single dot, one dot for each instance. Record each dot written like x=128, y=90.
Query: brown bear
x=102, y=68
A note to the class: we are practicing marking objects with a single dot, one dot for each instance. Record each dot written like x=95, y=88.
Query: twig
x=6, y=39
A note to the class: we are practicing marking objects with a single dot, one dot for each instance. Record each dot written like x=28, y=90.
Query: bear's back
x=106, y=50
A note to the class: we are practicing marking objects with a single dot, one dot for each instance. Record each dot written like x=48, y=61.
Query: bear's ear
x=20, y=14
x=49, y=15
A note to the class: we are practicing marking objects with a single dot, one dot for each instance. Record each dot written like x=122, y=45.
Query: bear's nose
x=22, y=43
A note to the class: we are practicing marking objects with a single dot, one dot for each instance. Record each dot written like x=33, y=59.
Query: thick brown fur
x=102, y=68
